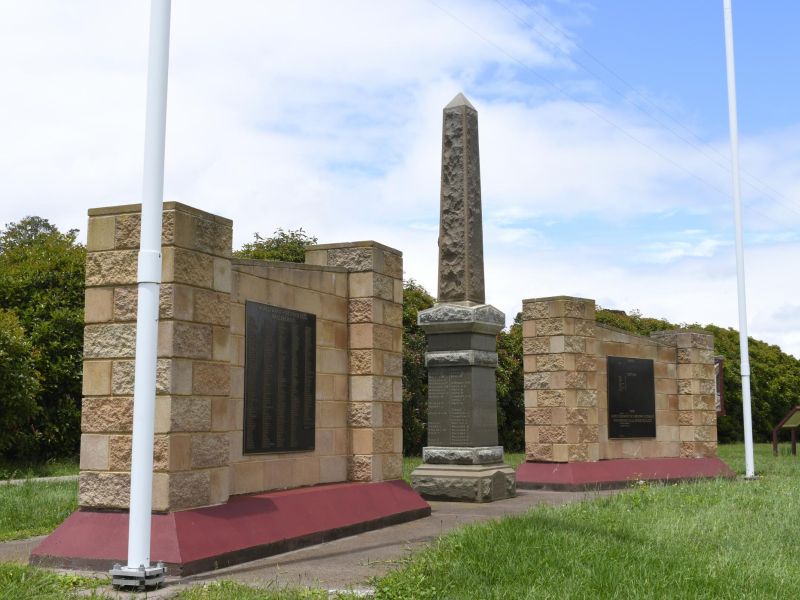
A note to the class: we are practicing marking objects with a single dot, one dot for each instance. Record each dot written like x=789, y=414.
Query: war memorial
x=278, y=416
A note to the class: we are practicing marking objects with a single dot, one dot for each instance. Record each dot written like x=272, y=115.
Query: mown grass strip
x=713, y=539
x=50, y=468
x=21, y=582
x=31, y=508
x=230, y=590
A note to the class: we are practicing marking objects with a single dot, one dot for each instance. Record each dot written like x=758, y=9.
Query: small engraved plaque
x=280, y=385
x=631, y=398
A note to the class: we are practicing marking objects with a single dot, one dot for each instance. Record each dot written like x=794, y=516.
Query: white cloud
x=327, y=116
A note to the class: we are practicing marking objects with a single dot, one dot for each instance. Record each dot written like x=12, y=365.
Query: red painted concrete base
x=245, y=528
x=610, y=474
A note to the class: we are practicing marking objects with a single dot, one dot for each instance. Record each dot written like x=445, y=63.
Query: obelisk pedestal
x=462, y=460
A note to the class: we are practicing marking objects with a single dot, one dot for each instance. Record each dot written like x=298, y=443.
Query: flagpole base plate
x=141, y=578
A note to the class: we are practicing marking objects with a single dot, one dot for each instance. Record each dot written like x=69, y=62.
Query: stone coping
x=452, y=455
x=137, y=208
x=280, y=264
x=361, y=244
x=546, y=298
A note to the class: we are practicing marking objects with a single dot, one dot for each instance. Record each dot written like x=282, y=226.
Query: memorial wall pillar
x=375, y=338
x=193, y=374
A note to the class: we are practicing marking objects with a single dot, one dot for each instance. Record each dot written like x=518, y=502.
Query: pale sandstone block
x=305, y=471
x=100, y=234
x=323, y=442
x=361, y=285
x=553, y=434
x=211, y=379
x=277, y=474
x=392, y=466
x=180, y=452
x=222, y=417
x=334, y=308
x=341, y=387
x=392, y=414
x=332, y=360
x=362, y=441
x=220, y=486
x=324, y=387
x=536, y=345
x=98, y=305
x=96, y=377
x=383, y=441
x=94, y=452
x=123, y=376
x=332, y=469
x=248, y=477
x=560, y=452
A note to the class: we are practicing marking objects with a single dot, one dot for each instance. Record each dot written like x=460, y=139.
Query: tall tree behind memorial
x=42, y=283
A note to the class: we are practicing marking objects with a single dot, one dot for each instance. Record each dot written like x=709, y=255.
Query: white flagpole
x=149, y=279
x=747, y=417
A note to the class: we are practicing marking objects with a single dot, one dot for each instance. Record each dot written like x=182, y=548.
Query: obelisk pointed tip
x=459, y=100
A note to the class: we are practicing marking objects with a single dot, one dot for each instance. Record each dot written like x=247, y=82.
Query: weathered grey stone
x=460, y=226
x=461, y=357
x=471, y=483
x=189, y=488
x=481, y=455
x=393, y=264
x=483, y=318
x=209, y=450
x=392, y=364
x=357, y=259
x=212, y=307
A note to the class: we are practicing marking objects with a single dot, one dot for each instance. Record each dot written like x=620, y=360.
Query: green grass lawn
x=36, y=508
x=50, y=468
x=714, y=539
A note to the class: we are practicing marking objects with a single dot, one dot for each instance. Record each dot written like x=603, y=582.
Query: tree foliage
x=511, y=388
x=287, y=246
x=19, y=382
x=415, y=374
x=42, y=283
x=774, y=375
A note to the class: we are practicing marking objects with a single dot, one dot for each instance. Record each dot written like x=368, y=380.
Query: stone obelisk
x=462, y=460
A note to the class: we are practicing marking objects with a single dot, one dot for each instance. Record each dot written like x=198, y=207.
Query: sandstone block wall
x=355, y=291
x=566, y=392
x=375, y=368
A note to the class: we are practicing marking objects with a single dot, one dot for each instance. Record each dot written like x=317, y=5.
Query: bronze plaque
x=279, y=375
x=631, y=398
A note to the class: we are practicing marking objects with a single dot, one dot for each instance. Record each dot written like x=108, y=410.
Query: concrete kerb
x=347, y=563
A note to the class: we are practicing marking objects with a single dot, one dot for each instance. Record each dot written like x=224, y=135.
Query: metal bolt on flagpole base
x=141, y=578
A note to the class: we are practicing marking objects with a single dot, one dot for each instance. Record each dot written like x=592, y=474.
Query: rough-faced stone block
x=211, y=379
x=109, y=340
x=106, y=415
x=189, y=488
x=359, y=468
x=117, y=267
x=209, y=450
x=103, y=489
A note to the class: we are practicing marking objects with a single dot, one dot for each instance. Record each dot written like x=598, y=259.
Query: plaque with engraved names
x=280, y=383
x=631, y=398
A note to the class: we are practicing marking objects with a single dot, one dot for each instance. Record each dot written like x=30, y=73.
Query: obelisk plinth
x=462, y=460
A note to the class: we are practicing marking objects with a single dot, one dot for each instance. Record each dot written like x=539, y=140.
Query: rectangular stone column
x=192, y=395
x=375, y=331
x=697, y=415
x=560, y=363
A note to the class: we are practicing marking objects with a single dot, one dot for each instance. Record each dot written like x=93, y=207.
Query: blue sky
x=604, y=148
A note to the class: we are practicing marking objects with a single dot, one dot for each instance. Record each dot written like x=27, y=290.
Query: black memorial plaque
x=631, y=398
x=280, y=383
